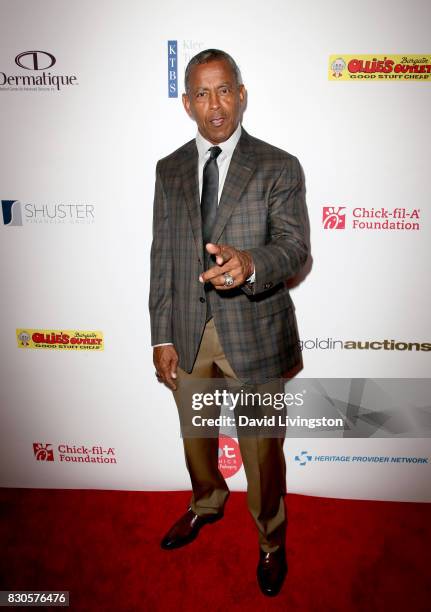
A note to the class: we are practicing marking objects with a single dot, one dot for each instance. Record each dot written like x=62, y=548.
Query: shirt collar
x=227, y=147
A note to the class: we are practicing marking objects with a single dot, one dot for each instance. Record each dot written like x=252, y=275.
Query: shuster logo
x=43, y=452
x=20, y=213
x=333, y=217
x=303, y=458
x=35, y=60
x=11, y=210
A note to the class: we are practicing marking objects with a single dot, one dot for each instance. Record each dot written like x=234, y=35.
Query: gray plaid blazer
x=262, y=210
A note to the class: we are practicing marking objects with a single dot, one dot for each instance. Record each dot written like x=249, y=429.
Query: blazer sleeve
x=287, y=248
x=160, y=300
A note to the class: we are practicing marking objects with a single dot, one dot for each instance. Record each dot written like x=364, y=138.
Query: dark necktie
x=209, y=204
x=209, y=199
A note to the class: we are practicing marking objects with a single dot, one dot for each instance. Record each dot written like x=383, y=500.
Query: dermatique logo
x=363, y=218
x=15, y=213
x=36, y=75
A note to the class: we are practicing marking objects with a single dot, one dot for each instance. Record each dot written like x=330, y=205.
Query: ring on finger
x=228, y=279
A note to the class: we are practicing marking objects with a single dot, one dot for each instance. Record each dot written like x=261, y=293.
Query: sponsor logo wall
x=84, y=120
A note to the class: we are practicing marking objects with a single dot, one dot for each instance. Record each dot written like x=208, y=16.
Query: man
x=229, y=228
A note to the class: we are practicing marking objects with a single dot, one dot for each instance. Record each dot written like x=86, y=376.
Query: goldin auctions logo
x=363, y=218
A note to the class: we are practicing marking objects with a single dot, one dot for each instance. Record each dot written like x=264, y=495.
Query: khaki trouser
x=263, y=457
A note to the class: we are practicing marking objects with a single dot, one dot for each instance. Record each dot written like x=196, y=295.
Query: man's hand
x=239, y=264
x=165, y=359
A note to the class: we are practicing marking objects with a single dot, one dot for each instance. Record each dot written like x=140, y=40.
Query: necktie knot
x=214, y=152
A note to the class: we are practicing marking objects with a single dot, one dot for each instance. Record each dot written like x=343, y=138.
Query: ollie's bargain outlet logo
x=362, y=218
x=380, y=67
x=73, y=453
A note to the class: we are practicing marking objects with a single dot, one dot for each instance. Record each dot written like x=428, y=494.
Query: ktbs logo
x=43, y=452
x=172, y=69
x=180, y=52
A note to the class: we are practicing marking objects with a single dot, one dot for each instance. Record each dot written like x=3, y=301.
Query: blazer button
x=267, y=286
x=202, y=300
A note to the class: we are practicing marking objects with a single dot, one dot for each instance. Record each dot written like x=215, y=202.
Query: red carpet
x=103, y=546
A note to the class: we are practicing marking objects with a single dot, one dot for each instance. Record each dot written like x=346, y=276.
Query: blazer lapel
x=189, y=172
x=241, y=168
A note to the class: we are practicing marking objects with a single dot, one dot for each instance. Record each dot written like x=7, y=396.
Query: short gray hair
x=209, y=55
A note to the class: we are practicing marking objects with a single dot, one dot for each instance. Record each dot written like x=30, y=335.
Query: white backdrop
x=92, y=146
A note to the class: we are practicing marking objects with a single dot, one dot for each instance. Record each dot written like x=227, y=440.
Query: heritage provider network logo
x=363, y=218
x=35, y=74
x=72, y=453
x=379, y=67
x=305, y=458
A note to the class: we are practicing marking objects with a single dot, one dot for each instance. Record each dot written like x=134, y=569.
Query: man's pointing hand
x=231, y=263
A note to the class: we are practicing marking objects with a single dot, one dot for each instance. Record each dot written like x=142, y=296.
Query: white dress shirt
x=223, y=160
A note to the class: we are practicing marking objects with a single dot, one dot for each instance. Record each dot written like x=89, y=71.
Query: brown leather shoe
x=271, y=571
x=186, y=529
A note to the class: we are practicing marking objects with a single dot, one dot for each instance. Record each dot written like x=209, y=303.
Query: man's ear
x=242, y=94
x=186, y=104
